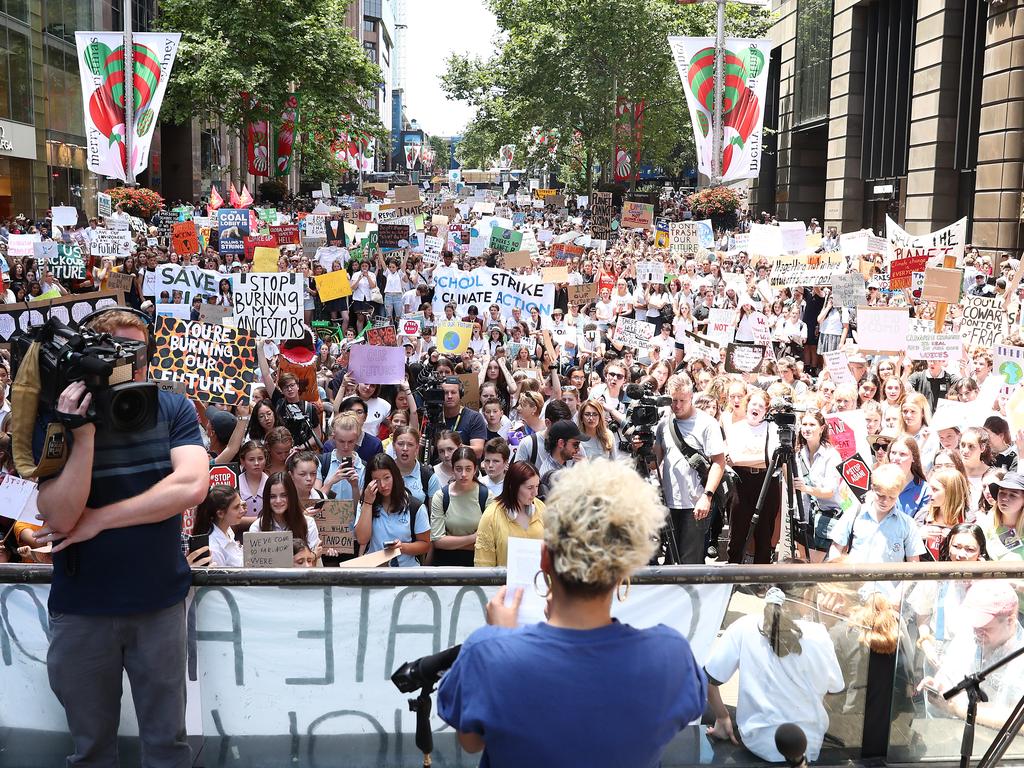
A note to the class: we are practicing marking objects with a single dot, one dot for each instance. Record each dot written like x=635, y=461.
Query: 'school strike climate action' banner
x=216, y=363
x=101, y=66
x=743, y=100
x=484, y=286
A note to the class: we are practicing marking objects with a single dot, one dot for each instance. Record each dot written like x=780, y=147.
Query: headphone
x=462, y=385
x=150, y=337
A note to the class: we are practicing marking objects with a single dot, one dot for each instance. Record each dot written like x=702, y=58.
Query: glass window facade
x=813, y=60
x=16, y=8
x=15, y=74
x=63, y=87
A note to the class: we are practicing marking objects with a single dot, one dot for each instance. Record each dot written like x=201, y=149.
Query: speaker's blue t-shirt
x=140, y=568
x=544, y=696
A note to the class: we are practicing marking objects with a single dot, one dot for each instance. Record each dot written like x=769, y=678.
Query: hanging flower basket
x=716, y=203
x=137, y=201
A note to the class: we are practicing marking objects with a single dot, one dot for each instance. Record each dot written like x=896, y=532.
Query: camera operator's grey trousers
x=690, y=535
x=85, y=662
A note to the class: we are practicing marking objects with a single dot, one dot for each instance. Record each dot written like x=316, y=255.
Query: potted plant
x=137, y=201
x=716, y=203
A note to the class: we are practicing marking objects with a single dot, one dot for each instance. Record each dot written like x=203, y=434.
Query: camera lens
x=129, y=410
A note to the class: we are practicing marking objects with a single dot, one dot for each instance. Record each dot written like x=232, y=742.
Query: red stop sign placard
x=224, y=474
x=856, y=473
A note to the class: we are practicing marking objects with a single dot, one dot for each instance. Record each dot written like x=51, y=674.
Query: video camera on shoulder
x=106, y=365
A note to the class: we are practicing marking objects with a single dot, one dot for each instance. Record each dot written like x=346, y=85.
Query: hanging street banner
x=484, y=286
x=743, y=100
x=101, y=66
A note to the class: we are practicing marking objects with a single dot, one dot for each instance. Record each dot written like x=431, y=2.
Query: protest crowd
x=405, y=377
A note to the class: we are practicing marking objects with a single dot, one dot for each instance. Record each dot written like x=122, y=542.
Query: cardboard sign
x=232, y=229
x=185, y=239
x=391, y=235
x=839, y=367
x=335, y=521
x=982, y=321
x=518, y=260
x=857, y=475
x=216, y=363
x=941, y=284
x=267, y=549
x=721, y=325
x=252, y=242
x=637, y=215
x=269, y=305
x=265, y=259
x=471, y=389
x=68, y=264
x=882, y=330
x=554, y=275
x=316, y=226
x=743, y=358
x=377, y=365
x=634, y=333
x=64, y=215
x=848, y=433
x=383, y=336
x=581, y=294
x=224, y=474
x=848, y=290
x=120, y=281
x=333, y=285
x=214, y=313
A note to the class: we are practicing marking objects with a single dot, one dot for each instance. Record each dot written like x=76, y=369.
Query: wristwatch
x=709, y=494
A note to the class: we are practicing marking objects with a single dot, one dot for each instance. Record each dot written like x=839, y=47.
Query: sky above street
x=437, y=29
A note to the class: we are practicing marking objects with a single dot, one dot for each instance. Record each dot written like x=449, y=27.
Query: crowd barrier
x=292, y=666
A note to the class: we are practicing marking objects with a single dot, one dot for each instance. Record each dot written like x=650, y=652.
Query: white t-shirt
x=312, y=534
x=225, y=549
x=775, y=690
x=377, y=409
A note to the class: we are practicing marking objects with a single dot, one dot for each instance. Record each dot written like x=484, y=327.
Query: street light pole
x=717, y=127
x=129, y=93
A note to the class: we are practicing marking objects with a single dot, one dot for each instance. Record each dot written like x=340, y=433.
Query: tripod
x=784, y=456
x=971, y=685
x=647, y=467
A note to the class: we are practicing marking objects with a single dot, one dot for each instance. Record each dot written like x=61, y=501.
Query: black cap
x=564, y=430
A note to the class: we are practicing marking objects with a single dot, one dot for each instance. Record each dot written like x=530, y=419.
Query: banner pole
x=716, y=157
x=129, y=93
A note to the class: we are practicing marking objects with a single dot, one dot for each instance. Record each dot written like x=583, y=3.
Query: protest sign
x=554, y=275
x=433, y=247
x=743, y=358
x=215, y=313
x=765, y=240
x=382, y=336
x=453, y=336
x=107, y=243
x=411, y=325
x=848, y=433
x=637, y=215
x=252, y=242
x=68, y=264
x=701, y=347
x=267, y=549
x=45, y=250
x=650, y=272
x=184, y=239
x=335, y=520
x=794, y=236
x=377, y=365
x=882, y=330
x=518, y=260
x=286, y=234
x=188, y=282
x=982, y=321
x=64, y=215
x=232, y=229
x=485, y=286
x=634, y=333
x=1009, y=363
x=855, y=472
x=22, y=245
x=180, y=311
x=316, y=226
x=265, y=259
x=848, y=289
x=603, y=224
x=120, y=281
x=69, y=309
x=941, y=284
x=104, y=204
x=909, y=253
x=216, y=363
x=505, y=240
x=839, y=367
x=806, y=270
x=392, y=235
x=933, y=346
x=761, y=330
x=224, y=474
x=471, y=390
x=579, y=294
x=721, y=325
x=862, y=243
x=333, y=285
x=268, y=304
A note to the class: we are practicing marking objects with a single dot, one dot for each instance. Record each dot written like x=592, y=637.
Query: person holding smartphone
x=221, y=509
x=342, y=472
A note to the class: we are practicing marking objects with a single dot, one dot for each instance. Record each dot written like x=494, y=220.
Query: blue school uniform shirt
x=389, y=526
x=546, y=696
x=914, y=498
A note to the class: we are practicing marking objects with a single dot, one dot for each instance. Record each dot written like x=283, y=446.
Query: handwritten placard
x=579, y=294
x=333, y=285
x=882, y=329
x=334, y=520
x=267, y=549
x=377, y=365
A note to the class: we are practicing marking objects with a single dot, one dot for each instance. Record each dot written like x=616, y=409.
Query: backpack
x=462, y=558
x=446, y=497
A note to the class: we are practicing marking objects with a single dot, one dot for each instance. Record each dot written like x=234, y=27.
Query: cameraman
x=300, y=416
x=119, y=576
x=690, y=437
x=458, y=418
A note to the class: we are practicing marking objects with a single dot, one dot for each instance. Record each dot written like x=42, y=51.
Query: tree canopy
x=559, y=64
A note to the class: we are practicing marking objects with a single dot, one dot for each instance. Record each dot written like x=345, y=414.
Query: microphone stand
x=971, y=685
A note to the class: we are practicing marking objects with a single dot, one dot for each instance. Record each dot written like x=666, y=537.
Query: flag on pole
x=233, y=198
x=246, y=199
x=101, y=70
x=745, y=83
x=216, y=201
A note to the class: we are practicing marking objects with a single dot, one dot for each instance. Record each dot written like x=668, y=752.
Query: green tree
x=269, y=49
x=560, y=65
x=442, y=153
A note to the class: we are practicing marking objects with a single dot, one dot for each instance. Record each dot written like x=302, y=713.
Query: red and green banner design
x=269, y=147
x=629, y=133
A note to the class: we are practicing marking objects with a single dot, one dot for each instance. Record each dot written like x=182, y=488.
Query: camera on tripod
x=643, y=413
x=298, y=425
x=106, y=366
x=782, y=413
x=428, y=387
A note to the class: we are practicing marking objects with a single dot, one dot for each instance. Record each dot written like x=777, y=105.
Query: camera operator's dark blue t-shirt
x=140, y=568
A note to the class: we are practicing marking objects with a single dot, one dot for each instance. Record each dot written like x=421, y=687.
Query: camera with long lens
x=428, y=387
x=106, y=365
x=643, y=413
x=294, y=418
x=782, y=413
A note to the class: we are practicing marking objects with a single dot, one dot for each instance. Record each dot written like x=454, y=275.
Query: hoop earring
x=619, y=594
x=547, y=580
